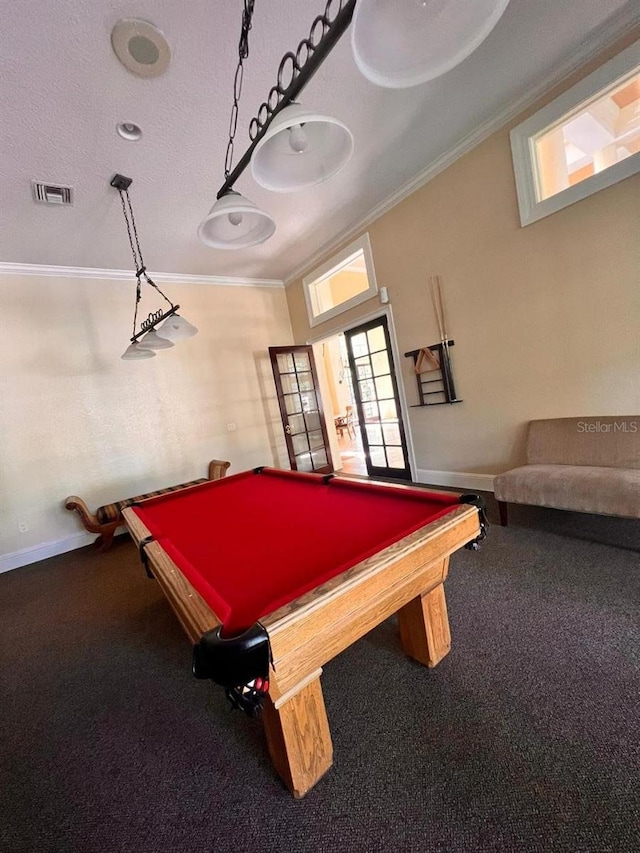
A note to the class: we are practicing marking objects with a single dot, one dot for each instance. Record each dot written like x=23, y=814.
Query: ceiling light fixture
x=162, y=328
x=300, y=149
x=235, y=222
x=398, y=48
x=396, y=45
x=129, y=131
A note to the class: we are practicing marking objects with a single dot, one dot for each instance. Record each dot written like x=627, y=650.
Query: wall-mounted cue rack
x=432, y=366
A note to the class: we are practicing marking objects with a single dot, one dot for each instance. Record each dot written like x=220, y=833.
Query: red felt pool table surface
x=252, y=542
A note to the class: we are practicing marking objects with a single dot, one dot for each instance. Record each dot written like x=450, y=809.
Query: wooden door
x=294, y=372
x=375, y=389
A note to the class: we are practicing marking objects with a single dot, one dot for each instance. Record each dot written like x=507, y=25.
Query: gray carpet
x=526, y=737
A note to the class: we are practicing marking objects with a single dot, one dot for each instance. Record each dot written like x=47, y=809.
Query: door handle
x=287, y=429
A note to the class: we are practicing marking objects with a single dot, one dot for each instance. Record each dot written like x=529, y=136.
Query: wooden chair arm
x=89, y=521
x=218, y=469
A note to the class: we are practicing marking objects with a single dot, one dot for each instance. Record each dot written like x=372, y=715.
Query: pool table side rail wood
x=193, y=612
x=423, y=537
x=320, y=625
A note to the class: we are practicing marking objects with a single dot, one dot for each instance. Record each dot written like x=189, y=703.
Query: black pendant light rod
x=152, y=321
x=300, y=67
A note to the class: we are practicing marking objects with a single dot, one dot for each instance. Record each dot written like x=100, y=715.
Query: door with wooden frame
x=375, y=390
x=296, y=380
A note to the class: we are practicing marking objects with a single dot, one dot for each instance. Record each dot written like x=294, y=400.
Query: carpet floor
x=525, y=738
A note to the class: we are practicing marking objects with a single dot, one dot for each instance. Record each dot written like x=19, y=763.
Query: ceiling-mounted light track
x=396, y=45
x=295, y=71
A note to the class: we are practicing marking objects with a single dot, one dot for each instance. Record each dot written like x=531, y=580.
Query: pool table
x=319, y=560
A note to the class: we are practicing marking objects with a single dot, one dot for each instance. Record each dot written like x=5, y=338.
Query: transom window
x=598, y=135
x=584, y=141
x=347, y=279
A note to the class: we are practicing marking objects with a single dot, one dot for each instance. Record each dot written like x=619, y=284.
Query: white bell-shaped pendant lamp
x=234, y=222
x=136, y=351
x=398, y=45
x=301, y=148
x=153, y=341
x=176, y=328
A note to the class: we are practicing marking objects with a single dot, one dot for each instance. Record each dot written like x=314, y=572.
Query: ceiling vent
x=52, y=193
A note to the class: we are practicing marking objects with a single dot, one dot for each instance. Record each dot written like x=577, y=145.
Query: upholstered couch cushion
x=582, y=488
x=611, y=442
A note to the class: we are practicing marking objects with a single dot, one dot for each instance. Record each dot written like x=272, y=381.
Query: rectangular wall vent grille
x=52, y=193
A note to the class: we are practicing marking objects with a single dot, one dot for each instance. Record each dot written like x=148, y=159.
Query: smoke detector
x=141, y=47
x=51, y=193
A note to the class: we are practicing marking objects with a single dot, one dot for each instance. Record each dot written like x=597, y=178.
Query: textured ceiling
x=63, y=92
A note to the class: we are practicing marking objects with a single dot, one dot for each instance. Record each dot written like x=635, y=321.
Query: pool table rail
x=193, y=612
x=313, y=629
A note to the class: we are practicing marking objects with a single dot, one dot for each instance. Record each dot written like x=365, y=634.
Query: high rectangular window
x=345, y=280
x=584, y=141
x=603, y=132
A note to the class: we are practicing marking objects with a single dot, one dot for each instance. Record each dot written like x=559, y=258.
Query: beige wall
x=76, y=419
x=546, y=319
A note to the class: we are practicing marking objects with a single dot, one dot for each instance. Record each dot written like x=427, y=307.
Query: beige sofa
x=580, y=464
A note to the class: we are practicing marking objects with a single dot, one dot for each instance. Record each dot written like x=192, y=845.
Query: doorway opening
x=363, y=407
x=341, y=411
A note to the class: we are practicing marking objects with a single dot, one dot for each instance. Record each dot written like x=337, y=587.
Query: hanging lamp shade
x=136, y=351
x=301, y=148
x=234, y=222
x=398, y=45
x=176, y=328
x=153, y=341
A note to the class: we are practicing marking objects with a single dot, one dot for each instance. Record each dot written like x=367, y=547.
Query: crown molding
x=127, y=275
x=605, y=36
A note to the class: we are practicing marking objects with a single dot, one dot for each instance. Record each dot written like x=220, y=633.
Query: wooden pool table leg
x=298, y=737
x=424, y=626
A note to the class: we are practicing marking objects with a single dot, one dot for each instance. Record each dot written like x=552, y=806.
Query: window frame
x=334, y=264
x=523, y=139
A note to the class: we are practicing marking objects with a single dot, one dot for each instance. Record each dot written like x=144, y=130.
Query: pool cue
x=436, y=307
x=450, y=391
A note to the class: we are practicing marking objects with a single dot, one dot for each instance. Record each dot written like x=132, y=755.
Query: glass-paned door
x=294, y=372
x=376, y=394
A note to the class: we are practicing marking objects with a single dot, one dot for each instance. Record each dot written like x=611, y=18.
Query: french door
x=296, y=380
x=375, y=390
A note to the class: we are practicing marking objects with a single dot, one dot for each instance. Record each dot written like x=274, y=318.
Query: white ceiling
x=62, y=92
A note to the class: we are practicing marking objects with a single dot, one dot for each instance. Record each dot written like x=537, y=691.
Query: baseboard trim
x=35, y=553
x=456, y=479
